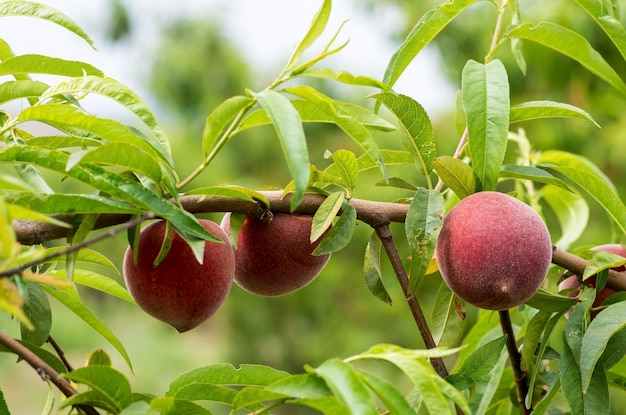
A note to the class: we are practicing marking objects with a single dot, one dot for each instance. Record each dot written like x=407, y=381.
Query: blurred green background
x=192, y=65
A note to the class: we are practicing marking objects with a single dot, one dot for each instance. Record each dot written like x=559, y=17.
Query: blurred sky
x=266, y=31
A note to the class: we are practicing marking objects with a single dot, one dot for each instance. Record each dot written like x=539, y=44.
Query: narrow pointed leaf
x=587, y=177
x=571, y=210
x=347, y=386
x=40, y=64
x=63, y=203
x=220, y=118
x=533, y=110
x=602, y=328
x=288, y=126
x=448, y=318
x=345, y=77
x=387, y=393
x=532, y=173
x=425, y=30
x=456, y=174
x=315, y=30
x=608, y=20
x=69, y=298
x=478, y=364
x=486, y=104
x=423, y=223
x=124, y=96
x=419, y=136
x=325, y=214
x=45, y=12
x=372, y=271
x=570, y=44
x=341, y=233
x=12, y=90
x=237, y=192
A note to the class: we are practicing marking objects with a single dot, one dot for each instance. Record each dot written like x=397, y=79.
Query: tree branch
x=43, y=369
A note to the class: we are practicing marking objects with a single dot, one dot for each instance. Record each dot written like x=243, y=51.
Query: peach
x=180, y=291
x=274, y=257
x=493, y=250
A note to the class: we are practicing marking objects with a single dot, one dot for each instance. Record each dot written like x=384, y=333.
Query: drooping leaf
x=98, y=282
x=237, y=192
x=37, y=309
x=347, y=386
x=602, y=328
x=478, y=364
x=45, y=355
x=345, y=77
x=64, y=203
x=571, y=211
x=419, y=136
x=219, y=120
x=589, y=178
x=288, y=126
x=423, y=223
x=486, y=104
x=124, y=96
x=387, y=393
x=70, y=299
x=448, y=318
x=372, y=271
x=4, y=409
x=325, y=214
x=341, y=233
x=45, y=12
x=109, y=384
x=533, y=110
x=425, y=30
x=532, y=173
x=12, y=90
x=608, y=19
x=456, y=174
x=570, y=44
x=40, y=64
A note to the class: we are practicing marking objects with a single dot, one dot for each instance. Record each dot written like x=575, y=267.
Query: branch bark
x=43, y=369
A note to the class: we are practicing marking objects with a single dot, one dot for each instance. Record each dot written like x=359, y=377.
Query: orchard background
x=191, y=64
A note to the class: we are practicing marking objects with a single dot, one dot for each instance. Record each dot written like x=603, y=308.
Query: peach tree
x=542, y=354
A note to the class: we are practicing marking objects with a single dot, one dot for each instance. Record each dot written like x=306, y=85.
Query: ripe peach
x=604, y=293
x=275, y=257
x=180, y=291
x=493, y=250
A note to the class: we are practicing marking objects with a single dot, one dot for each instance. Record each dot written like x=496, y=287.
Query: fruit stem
x=516, y=361
x=384, y=233
x=43, y=369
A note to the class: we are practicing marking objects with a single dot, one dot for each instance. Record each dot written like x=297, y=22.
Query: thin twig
x=384, y=233
x=516, y=361
x=60, y=353
x=44, y=369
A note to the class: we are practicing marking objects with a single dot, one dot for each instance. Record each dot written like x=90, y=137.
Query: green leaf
x=69, y=298
x=43, y=11
x=22, y=213
x=546, y=301
x=345, y=77
x=124, y=96
x=608, y=20
x=4, y=409
x=438, y=395
x=419, y=136
x=456, y=174
x=569, y=373
x=67, y=203
x=396, y=182
x=486, y=104
x=124, y=155
x=425, y=30
x=533, y=110
x=37, y=309
x=48, y=357
x=326, y=212
x=219, y=120
x=422, y=225
x=40, y=64
x=586, y=176
x=310, y=112
x=535, y=174
x=341, y=233
x=185, y=223
x=11, y=90
x=387, y=393
x=109, y=384
x=347, y=386
x=99, y=358
x=448, y=318
x=390, y=157
x=193, y=384
x=288, y=126
x=601, y=261
x=237, y=192
x=84, y=255
x=98, y=282
x=166, y=405
x=602, y=328
x=478, y=364
x=349, y=124
x=372, y=271
x=570, y=44
x=345, y=166
x=315, y=30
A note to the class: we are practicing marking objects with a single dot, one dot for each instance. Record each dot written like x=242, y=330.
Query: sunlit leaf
x=40, y=64
x=63, y=203
x=325, y=214
x=315, y=30
x=486, y=104
x=220, y=118
x=341, y=233
x=570, y=44
x=533, y=110
x=345, y=77
x=609, y=20
x=12, y=90
x=535, y=174
x=456, y=174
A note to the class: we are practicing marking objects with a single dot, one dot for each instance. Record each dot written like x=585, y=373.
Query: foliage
x=559, y=358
